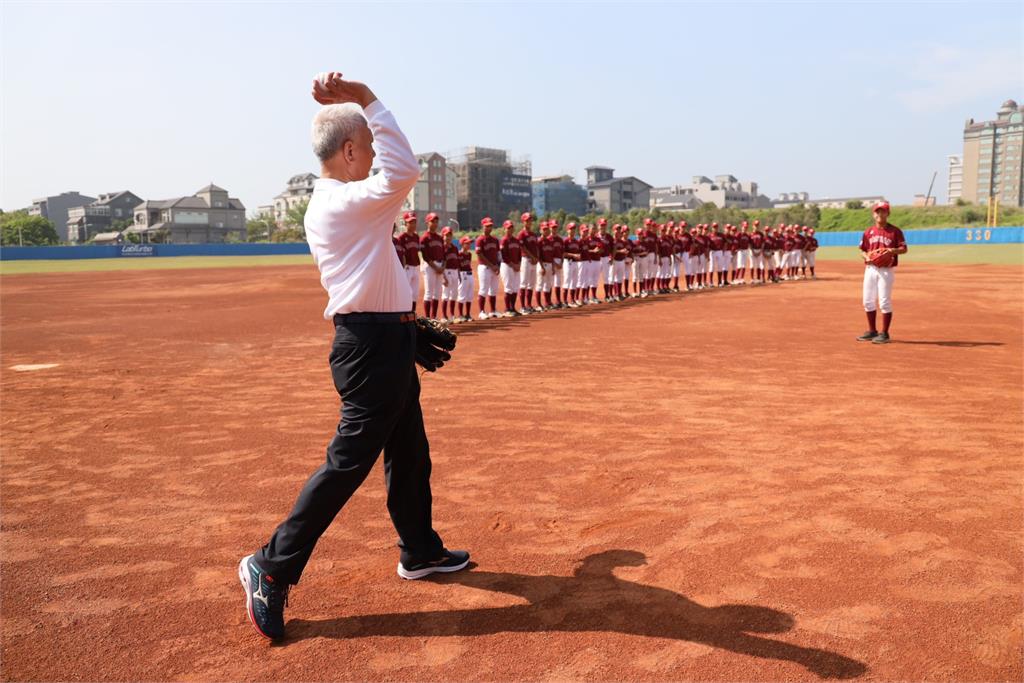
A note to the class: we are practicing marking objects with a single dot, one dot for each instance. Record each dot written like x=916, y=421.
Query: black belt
x=346, y=318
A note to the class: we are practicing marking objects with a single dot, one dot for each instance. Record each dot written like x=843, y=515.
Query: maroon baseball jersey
x=788, y=243
x=410, y=244
x=398, y=249
x=511, y=250
x=607, y=240
x=466, y=261
x=664, y=247
x=717, y=241
x=528, y=241
x=451, y=257
x=432, y=247
x=557, y=246
x=685, y=243
x=650, y=242
x=571, y=247
x=619, y=249
x=743, y=240
x=889, y=237
x=799, y=241
x=547, y=250
x=488, y=247
x=812, y=244
x=756, y=241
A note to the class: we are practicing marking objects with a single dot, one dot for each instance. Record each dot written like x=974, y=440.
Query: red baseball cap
x=409, y=216
x=570, y=225
x=880, y=206
x=552, y=224
x=431, y=217
x=745, y=224
x=756, y=222
x=714, y=225
x=527, y=216
x=682, y=224
x=543, y=224
x=486, y=222
x=508, y=224
x=464, y=240
x=446, y=230
x=602, y=221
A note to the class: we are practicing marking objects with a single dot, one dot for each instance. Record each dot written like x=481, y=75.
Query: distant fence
x=1014, y=235
x=148, y=250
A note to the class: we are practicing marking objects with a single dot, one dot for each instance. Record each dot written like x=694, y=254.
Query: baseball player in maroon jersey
x=809, y=249
x=878, y=281
x=465, y=280
x=571, y=266
x=639, y=256
x=487, y=269
x=799, y=242
x=743, y=254
x=598, y=254
x=730, y=253
x=397, y=245
x=528, y=264
x=650, y=239
x=604, y=269
x=719, y=264
x=432, y=248
x=685, y=245
x=558, y=256
x=664, y=272
x=628, y=264
x=778, y=244
x=449, y=277
x=679, y=256
x=586, y=259
x=511, y=262
x=620, y=252
x=546, y=274
x=409, y=241
x=756, y=254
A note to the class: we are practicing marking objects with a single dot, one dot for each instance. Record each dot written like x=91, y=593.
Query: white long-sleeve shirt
x=348, y=227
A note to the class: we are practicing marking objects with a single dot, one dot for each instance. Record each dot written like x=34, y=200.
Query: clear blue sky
x=833, y=99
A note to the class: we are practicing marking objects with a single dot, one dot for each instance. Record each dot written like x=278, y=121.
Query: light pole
x=458, y=227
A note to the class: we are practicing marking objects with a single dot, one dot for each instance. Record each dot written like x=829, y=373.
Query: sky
x=833, y=99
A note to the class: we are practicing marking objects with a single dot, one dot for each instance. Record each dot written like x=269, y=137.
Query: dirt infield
x=722, y=486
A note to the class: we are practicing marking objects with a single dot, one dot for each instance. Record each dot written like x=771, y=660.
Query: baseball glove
x=880, y=258
x=434, y=342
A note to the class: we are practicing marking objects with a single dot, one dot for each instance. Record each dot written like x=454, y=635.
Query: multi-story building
x=435, y=191
x=993, y=165
x=787, y=199
x=558, y=193
x=955, y=183
x=86, y=222
x=209, y=215
x=675, y=198
x=298, y=190
x=725, y=191
x=55, y=209
x=608, y=194
x=489, y=183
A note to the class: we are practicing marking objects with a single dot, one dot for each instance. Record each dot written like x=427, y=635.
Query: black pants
x=374, y=372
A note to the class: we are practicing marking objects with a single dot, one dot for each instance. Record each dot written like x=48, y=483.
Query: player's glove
x=880, y=258
x=434, y=342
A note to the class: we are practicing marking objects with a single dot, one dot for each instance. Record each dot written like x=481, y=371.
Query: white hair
x=333, y=125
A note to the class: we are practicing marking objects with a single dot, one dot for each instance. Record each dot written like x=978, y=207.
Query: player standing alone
x=878, y=281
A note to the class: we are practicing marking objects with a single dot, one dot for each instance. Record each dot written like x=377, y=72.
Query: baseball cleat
x=482, y=316
x=882, y=338
x=450, y=561
x=264, y=599
x=867, y=336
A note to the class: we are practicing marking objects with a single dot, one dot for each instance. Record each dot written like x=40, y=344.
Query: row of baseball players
x=564, y=272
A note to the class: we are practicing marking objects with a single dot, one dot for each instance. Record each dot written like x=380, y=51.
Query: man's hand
x=331, y=88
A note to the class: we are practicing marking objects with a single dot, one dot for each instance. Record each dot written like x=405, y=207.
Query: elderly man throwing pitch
x=348, y=223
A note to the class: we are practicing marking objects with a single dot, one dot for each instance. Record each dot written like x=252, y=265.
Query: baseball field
x=716, y=486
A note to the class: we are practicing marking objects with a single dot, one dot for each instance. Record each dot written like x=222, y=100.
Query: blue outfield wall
x=1012, y=235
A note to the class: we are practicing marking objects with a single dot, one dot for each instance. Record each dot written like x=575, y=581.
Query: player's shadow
x=593, y=599
x=954, y=344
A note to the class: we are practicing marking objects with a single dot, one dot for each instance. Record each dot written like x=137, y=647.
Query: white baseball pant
x=557, y=280
x=450, y=285
x=431, y=283
x=545, y=276
x=743, y=259
x=878, y=288
x=511, y=278
x=412, y=276
x=466, y=286
x=488, y=281
x=527, y=274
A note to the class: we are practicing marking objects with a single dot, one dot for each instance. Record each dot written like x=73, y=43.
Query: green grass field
x=997, y=254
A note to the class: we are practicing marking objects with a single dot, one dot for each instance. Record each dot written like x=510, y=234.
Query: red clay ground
x=714, y=487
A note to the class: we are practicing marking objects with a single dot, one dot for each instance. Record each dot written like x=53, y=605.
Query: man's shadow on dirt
x=593, y=599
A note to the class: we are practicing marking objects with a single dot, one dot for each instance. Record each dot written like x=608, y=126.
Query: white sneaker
x=482, y=316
